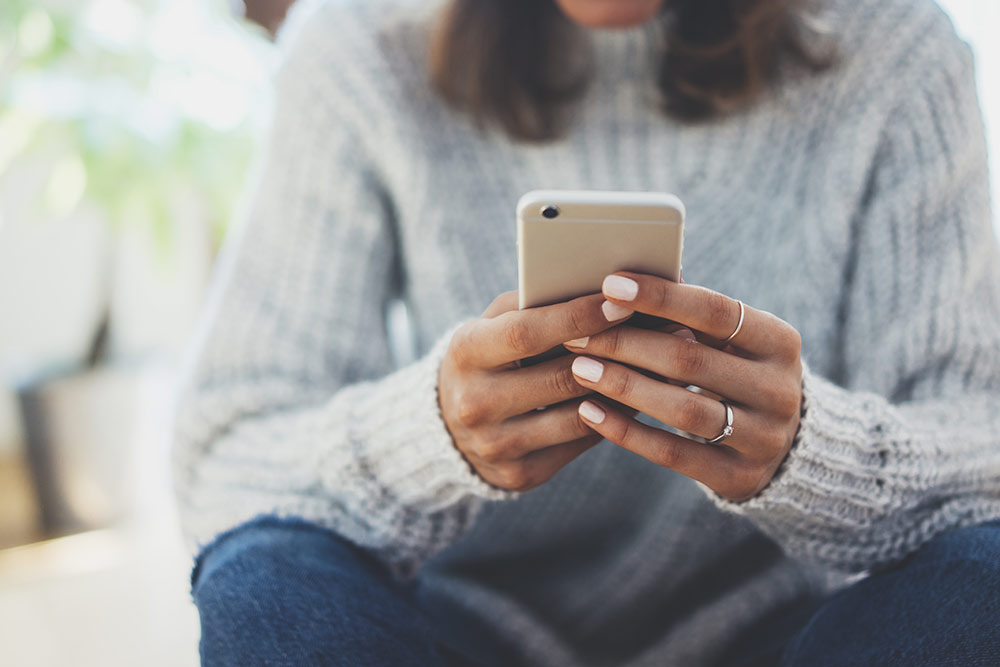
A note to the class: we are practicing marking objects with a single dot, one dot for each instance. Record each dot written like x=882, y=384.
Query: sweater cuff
x=397, y=432
x=832, y=480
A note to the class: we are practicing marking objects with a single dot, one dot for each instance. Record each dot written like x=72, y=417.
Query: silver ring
x=727, y=430
x=739, y=325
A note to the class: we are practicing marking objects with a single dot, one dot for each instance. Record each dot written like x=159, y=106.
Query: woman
x=843, y=291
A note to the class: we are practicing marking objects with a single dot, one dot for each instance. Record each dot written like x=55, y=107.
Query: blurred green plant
x=133, y=105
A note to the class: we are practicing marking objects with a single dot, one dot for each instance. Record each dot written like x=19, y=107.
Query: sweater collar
x=628, y=53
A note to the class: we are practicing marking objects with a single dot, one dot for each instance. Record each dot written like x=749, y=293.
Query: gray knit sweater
x=854, y=204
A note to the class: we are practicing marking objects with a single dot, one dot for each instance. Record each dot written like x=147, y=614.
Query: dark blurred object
x=100, y=282
x=78, y=430
x=268, y=13
x=19, y=514
x=81, y=434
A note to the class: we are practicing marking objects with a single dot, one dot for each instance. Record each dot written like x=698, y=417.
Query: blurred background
x=127, y=130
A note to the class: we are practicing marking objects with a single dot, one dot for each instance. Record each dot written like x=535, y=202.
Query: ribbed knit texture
x=853, y=203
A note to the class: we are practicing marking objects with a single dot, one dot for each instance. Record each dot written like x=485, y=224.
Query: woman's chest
x=763, y=224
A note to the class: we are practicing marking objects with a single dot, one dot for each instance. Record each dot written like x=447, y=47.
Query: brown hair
x=516, y=62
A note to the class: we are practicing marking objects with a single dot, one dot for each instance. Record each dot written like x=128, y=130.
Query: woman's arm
x=294, y=408
x=906, y=443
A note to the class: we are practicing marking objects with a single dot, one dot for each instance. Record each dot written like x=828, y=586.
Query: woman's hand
x=759, y=374
x=491, y=406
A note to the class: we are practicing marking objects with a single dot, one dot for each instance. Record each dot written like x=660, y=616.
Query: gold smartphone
x=569, y=240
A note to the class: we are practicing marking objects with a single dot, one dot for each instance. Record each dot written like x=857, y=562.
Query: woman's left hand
x=758, y=374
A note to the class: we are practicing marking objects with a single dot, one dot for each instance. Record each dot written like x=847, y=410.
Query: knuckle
x=579, y=429
x=622, y=384
x=789, y=401
x=692, y=414
x=719, y=310
x=487, y=451
x=794, y=341
x=783, y=398
x=661, y=296
x=611, y=342
x=622, y=432
x=519, y=337
x=790, y=341
x=563, y=383
x=775, y=437
x=667, y=453
x=462, y=344
x=471, y=411
x=578, y=323
x=514, y=477
x=499, y=448
x=689, y=359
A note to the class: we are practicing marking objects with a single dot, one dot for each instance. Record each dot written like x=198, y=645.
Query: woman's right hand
x=490, y=404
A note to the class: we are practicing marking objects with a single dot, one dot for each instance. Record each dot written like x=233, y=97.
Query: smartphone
x=568, y=241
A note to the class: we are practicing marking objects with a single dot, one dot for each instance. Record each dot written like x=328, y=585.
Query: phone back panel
x=593, y=235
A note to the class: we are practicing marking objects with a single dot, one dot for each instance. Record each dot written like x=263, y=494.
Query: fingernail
x=588, y=369
x=618, y=287
x=613, y=312
x=591, y=412
x=684, y=333
x=578, y=342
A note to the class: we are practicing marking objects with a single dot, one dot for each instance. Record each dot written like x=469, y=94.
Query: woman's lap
x=285, y=592
x=940, y=606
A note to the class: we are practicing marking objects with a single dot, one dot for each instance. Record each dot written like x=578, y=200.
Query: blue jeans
x=284, y=592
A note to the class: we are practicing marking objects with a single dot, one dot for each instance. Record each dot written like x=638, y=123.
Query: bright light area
x=206, y=67
x=126, y=127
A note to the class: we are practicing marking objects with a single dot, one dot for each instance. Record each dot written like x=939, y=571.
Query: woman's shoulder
x=356, y=34
x=361, y=51
x=885, y=53
x=892, y=37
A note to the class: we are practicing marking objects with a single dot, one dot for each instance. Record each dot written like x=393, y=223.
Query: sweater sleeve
x=294, y=407
x=906, y=443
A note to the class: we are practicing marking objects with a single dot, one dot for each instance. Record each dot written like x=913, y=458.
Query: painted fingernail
x=613, y=312
x=684, y=333
x=621, y=288
x=578, y=342
x=588, y=369
x=591, y=412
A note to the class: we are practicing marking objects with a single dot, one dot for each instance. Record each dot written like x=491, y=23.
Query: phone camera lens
x=550, y=212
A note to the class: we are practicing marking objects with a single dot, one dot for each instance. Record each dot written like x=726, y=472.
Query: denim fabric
x=284, y=592
x=939, y=607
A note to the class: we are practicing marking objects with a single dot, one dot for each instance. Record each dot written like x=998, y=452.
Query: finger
x=504, y=303
x=515, y=335
x=524, y=390
x=538, y=467
x=702, y=309
x=540, y=430
x=708, y=464
x=674, y=406
x=541, y=466
x=679, y=358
